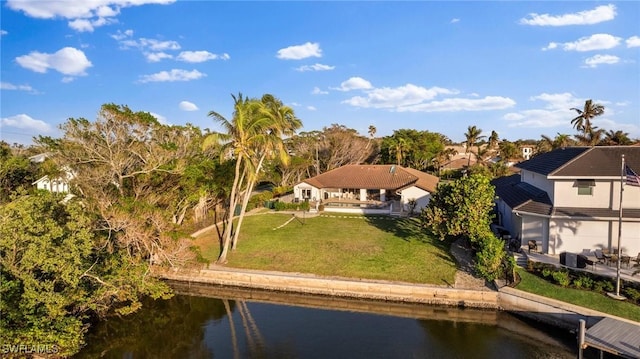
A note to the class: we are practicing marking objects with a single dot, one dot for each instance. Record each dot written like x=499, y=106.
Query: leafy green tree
x=461, y=208
x=16, y=171
x=129, y=170
x=411, y=148
x=55, y=273
x=490, y=258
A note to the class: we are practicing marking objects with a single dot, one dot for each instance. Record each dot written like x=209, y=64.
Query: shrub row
x=582, y=280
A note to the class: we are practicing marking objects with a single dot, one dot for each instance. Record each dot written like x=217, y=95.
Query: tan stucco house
x=568, y=200
x=368, y=189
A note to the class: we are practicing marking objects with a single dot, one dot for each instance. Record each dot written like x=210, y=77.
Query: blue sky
x=513, y=67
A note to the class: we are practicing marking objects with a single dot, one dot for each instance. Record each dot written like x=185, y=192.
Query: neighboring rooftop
x=374, y=177
x=598, y=161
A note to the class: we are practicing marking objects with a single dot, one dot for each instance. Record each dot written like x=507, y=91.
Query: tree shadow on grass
x=408, y=229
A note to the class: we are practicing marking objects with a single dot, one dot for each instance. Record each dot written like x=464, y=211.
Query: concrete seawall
x=337, y=287
x=546, y=310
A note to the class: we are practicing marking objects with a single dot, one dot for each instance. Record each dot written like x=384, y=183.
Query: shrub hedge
x=583, y=280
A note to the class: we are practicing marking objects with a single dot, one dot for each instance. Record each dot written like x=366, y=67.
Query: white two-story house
x=569, y=199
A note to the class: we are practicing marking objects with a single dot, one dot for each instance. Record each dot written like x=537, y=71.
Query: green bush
x=583, y=282
x=283, y=206
x=633, y=294
x=562, y=277
x=547, y=272
x=603, y=286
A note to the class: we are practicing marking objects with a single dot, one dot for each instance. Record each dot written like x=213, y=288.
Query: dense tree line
x=139, y=186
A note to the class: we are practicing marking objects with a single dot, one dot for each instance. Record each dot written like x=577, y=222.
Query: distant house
x=368, y=189
x=56, y=185
x=569, y=199
x=527, y=152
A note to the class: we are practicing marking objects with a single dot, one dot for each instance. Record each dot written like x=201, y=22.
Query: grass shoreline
x=370, y=248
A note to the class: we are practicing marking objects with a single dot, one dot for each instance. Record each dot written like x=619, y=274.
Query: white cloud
x=461, y=104
x=157, y=56
x=412, y=98
x=201, y=56
x=119, y=36
x=295, y=104
x=84, y=15
x=10, y=86
x=398, y=97
x=300, y=52
x=454, y=20
x=588, y=17
x=73, y=9
x=173, y=75
x=596, y=60
x=554, y=112
x=315, y=67
x=25, y=122
x=311, y=108
x=633, y=41
x=163, y=120
x=188, y=106
x=87, y=25
x=593, y=42
x=354, y=83
x=68, y=61
x=157, y=45
x=3, y=32
x=67, y=79
x=317, y=91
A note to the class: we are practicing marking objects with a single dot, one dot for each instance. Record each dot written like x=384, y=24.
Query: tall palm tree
x=473, y=136
x=281, y=121
x=582, y=122
x=547, y=143
x=254, y=132
x=592, y=137
x=236, y=141
x=616, y=138
x=493, y=139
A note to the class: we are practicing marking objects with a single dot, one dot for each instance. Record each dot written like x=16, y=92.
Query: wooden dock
x=615, y=336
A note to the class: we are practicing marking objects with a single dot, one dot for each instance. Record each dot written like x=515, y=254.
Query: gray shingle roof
x=599, y=161
x=577, y=212
x=522, y=196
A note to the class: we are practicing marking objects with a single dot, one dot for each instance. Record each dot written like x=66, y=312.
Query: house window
x=585, y=187
x=306, y=193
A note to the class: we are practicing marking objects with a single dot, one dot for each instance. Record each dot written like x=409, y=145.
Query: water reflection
x=229, y=323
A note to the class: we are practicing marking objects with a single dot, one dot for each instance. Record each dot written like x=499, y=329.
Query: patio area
x=602, y=269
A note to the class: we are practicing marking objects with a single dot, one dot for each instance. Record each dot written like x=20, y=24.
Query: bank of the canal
x=546, y=310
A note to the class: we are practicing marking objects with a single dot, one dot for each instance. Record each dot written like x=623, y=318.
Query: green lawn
x=592, y=300
x=358, y=247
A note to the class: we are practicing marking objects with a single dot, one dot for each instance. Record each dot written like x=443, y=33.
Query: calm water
x=219, y=322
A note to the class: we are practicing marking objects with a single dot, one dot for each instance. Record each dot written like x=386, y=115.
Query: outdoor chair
x=637, y=259
x=533, y=245
x=600, y=257
x=625, y=260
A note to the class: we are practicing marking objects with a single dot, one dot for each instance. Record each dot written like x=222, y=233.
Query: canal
x=204, y=321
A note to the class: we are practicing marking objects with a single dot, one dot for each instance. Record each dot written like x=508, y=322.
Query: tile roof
x=374, y=177
x=599, y=161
